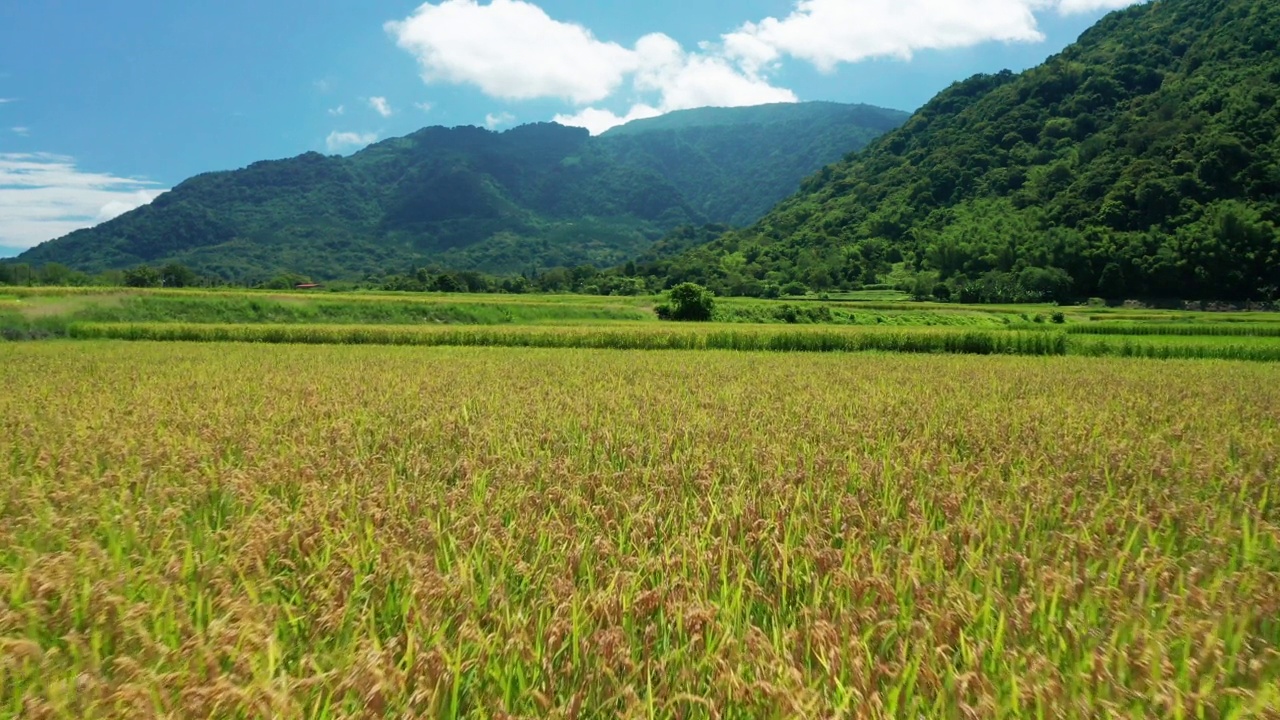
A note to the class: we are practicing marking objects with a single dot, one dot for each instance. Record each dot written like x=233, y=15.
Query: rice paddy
x=248, y=505
x=241, y=530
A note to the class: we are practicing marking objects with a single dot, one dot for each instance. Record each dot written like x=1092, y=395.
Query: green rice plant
x=756, y=338
x=1178, y=347
x=240, y=530
x=1177, y=329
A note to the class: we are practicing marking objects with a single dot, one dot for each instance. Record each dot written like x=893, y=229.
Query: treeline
x=584, y=279
x=173, y=275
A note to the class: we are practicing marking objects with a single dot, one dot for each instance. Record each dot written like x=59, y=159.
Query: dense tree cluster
x=52, y=274
x=1142, y=161
x=582, y=279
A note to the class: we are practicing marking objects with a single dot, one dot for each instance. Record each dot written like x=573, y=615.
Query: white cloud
x=829, y=32
x=680, y=80
x=45, y=196
x=425, y=107
x=340, y=141
x=1070, y=7
x=513, y=50
x=4, y=101
x=686, y=80
x=338, y=111
x=493, y=122
x=380, y=106
x=597, y=120
x=21, y=131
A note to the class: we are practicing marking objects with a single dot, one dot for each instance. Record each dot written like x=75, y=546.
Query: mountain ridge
x=538, y=195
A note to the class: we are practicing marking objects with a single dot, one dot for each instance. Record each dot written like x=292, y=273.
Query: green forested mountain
x=539, y=195
x=701, y=152
x=1142, y=161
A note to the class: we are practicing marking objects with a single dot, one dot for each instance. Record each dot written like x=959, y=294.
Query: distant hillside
x=536, y=196
x=735, y=164
x=1141, y=161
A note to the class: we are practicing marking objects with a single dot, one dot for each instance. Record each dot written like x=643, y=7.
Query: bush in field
x=142, y=276
x=795, y=289
x=688, y=302
x=285, y=281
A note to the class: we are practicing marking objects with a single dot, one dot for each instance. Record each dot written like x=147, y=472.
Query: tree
x=143, y=276
x=177, y=275
x=1111, y=284
x=688, y=302
x=447, y=283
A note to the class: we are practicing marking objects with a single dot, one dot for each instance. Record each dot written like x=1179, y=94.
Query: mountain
x=539, y=195
x=1142, y=161
x=701, y=152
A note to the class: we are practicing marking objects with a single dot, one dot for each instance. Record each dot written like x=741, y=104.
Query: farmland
x=239, y=530
x=852, y=323
x=251, y=505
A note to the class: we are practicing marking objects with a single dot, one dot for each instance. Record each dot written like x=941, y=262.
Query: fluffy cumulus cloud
x=380, y=106
x=339, y=142
x=1068, y=7
x=829, y=32
x=46, y=196
x=513, y=50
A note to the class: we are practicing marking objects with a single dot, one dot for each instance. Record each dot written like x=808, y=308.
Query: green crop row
x=1177, y=329
x=606, y=337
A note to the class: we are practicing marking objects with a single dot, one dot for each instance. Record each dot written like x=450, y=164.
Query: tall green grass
x=972, y=342
x=45, y=316
x=242, y=309
x=1174, y=348
x=704, y=337
x=1177, y=329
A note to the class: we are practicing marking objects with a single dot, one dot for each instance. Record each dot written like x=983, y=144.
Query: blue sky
x=104, y=105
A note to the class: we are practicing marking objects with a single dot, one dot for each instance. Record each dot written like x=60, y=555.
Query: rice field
x=614, y=336
x=714, y=336
x=1220, y=329
x=244, y=530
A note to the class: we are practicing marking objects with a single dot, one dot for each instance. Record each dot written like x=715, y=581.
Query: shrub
x=795, y=288
x=142, y=277
x=1058, y=317
x=689, y=302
